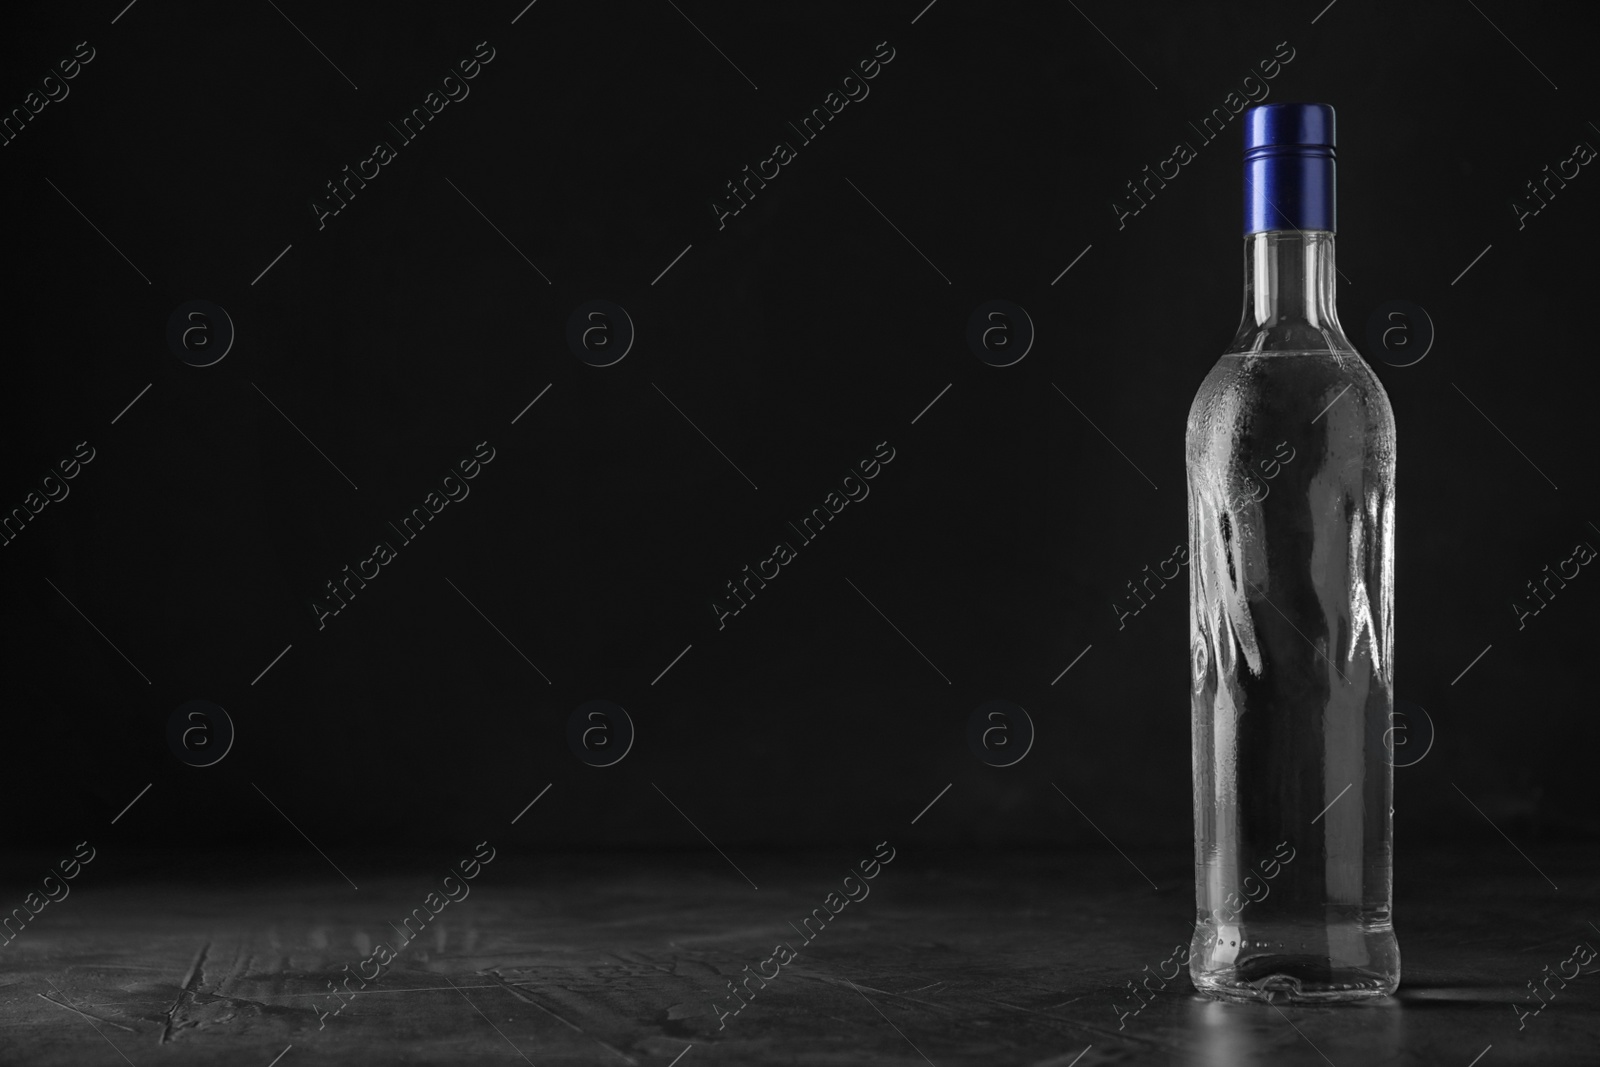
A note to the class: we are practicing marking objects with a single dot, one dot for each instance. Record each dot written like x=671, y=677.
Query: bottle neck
x=1289, y=298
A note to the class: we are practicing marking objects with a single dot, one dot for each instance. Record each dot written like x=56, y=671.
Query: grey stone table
x=985, y=958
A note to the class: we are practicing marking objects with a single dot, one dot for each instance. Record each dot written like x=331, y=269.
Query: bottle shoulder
x=1285, y=386
x=1255, y=373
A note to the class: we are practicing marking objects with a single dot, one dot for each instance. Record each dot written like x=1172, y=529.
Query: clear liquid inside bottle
x=1290, y=462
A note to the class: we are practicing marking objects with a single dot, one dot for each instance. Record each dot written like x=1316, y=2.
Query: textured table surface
x=951, y=958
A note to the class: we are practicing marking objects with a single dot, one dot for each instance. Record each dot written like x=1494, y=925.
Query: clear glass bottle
x=1290, y=456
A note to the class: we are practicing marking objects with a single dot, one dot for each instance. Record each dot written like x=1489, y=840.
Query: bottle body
x=1290, y=460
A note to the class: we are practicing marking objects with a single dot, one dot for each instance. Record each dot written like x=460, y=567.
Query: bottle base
x=1295, y=980
x=1250, y=964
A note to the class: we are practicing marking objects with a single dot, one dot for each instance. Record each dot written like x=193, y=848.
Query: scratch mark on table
x=85, y=1014
x=517, y=992
x=186, y=986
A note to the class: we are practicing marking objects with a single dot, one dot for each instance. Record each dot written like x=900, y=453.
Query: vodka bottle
x=1290, y=457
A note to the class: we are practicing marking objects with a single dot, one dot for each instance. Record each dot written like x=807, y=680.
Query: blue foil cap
x=1288, y=168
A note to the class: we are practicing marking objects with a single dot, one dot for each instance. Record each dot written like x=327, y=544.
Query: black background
x=796, y=338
